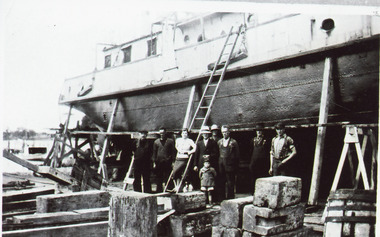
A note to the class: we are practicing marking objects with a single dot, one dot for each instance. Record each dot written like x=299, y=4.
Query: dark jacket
x=142, y=151
x=229, y=156
x=211, y=149
x=163, y=150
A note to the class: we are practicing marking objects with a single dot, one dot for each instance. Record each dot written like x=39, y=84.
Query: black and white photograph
x=189, y=118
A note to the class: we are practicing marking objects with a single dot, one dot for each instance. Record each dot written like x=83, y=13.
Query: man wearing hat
x=215, y=132
x=282, y=150
x=228, y=164
x=142, y=150
x=259, y=159
x=206, y=146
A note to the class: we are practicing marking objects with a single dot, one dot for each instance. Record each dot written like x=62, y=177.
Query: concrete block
x=300, y=232
x=190, y=201
x=72, y=201
x=194, y=223
x=277, y=192
x=222, y=231
x=217, y=231
x=132, y=214
x=265, y=221
x=231, y=211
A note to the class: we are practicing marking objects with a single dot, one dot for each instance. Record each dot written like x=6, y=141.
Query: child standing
x=207, y=176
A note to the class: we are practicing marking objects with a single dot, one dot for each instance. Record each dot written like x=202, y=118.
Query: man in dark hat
x=163, y=157
x=259, y=159
x=206, y=146
x=142, y=149
x=282, y=150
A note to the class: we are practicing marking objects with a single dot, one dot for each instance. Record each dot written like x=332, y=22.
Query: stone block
x=132, y=214
x=266, y=221
x=190, y=201
x=277, y=192
x=300, y=232
x=194, y=223
x=222, y=231
x=231, y=211
x=72, y=201
x=217, y=231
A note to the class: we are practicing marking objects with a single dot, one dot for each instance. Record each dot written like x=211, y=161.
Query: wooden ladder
x=203, y=110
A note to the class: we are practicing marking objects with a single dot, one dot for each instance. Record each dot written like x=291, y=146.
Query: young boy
x=207, y=176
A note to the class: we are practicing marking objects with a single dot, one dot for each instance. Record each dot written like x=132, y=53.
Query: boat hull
x=285, y=90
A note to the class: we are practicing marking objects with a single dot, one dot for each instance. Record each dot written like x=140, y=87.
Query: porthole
x=328, y=24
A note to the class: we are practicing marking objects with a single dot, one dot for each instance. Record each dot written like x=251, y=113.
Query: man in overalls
x=282, y=150
x=228, y=164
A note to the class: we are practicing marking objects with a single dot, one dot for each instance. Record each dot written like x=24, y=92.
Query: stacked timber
x=276, y=210
x=64, y=215
x=22, y=202
x=351, y=212
x=191, y=218
x=231, y=217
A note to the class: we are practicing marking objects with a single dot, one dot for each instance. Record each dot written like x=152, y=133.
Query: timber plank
x=72, y=201
x=92, y=229
x=58, y=218
x=19, y=205
x=26, y=194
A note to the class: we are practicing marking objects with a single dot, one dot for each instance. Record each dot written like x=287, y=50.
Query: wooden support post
x=364, y=145
x=65, y=135
x=340, y=167
x=362, y=166
x=189, y=108
x=319, y=147
x=374, y=155
x=102, y=168
x=351, y=137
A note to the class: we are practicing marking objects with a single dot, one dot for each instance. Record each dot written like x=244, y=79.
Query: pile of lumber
x=22, y=202
x=63, y=215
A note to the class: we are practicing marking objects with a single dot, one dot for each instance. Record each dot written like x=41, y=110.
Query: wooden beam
x=61, y=218
x=93, y=229
x=72, y=201
x=320, y=143
x=102, y=168
x=189, y=108
x=20, y=161
x=65, y=135
x=26, y=194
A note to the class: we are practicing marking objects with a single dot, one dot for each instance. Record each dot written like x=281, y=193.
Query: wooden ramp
x=46, y=171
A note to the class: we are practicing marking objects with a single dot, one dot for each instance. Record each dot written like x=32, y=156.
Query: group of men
x=221, y=153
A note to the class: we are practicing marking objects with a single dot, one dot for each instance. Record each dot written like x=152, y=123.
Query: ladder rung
x=199, y=118
x=208, y=96
x=204, y=107
x=215, y=84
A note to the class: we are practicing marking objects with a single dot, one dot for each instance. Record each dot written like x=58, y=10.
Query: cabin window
x=152, y=47
x=127, y=54
x=186, y=39
x=200, y=38
x=107, y=61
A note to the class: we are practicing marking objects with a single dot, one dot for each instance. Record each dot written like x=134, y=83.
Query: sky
x=46, y=41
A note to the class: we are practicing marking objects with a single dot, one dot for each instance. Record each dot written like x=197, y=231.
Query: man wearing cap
x=259, y=159
x=228, y=164
x=142, y=149
x=282, y=150
x=206, y=146
x=215, y=133
x=163, y=157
